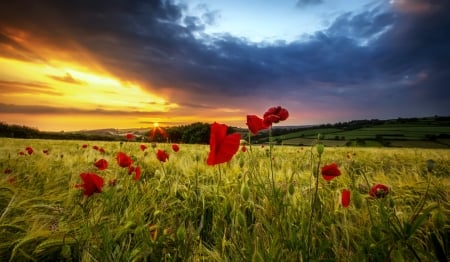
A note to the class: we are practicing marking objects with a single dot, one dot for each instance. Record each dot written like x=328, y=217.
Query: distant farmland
x=423, y=134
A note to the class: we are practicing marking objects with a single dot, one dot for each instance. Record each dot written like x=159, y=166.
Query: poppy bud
x=320, y=149
x=245, y=191
x=291, y=189
x=181, y=233
x=430, y=165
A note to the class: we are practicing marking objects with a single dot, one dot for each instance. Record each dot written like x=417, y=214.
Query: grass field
x=266, y=204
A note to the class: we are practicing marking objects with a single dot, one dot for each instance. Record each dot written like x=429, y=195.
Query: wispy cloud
x=67, y=78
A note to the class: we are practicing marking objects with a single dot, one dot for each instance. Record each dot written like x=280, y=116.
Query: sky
x=81, y=64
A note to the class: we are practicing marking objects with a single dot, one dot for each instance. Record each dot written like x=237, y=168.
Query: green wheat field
x=266, y=204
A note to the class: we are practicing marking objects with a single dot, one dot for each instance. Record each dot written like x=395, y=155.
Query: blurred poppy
x=92, y=183
x=102, y=150
x=222, y=147
x=95, y=148
x=7, y=171
x=29, y=150
x=129, y=136
x=330, y=171
x=101, y=164
x=379, y=191
x=244, y=149
x=175, y=147
x=255, y=124
x=162, y=155
x=143, y=147
x=275, y=115
x=345, y=198
x=45, y=151
x=137, y=173
x=11, y=179
x=84, y=146
x=123, y=159
x=21, y=153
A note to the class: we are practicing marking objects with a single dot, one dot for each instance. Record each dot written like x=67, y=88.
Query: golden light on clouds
x=82, y=96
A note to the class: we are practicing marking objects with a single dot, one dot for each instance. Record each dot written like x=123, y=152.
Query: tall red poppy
x=175, y=147
x=84, y=146
x=101, y=164
x=275, y=115
x=256, y=124
x=123, y=159
x=162, y=155
x=222, y=147
x=129, y=136
x=379, y=191
x=143, y=147
x=345, y=198
x=92, y=183
x=330, y=171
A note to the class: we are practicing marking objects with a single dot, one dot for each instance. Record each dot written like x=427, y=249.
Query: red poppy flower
x=102, y=150
x=84, y=146
x=330, y=171
x=95, y=148
x=162, y=155
x=137, y=173
x=255, y=124
x=45, y=151
x=244, y=149
x=222, y=147
x=345, y=199
x=21, y=153
x=7, y=171
x=129, y=136
x=143, y=147
x=101, y=164
x=29, y=150
x=123, y=159
x=379, y=191
x=275, y=115
x=175, y=147
x=92, y=183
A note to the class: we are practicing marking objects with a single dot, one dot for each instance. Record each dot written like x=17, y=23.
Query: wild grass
x=184, y=210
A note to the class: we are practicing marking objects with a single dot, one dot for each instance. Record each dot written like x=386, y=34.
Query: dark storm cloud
x=52, y=110
x=392, y=59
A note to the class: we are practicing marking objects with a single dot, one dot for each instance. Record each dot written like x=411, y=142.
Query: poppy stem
x=270, y=159
x=313, y=204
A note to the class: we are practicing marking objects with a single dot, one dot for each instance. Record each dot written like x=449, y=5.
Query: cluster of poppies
x=93, y=183
x=331, y=171
x=271, y=116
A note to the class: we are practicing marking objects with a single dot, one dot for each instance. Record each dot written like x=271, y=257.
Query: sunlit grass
x=180, y=210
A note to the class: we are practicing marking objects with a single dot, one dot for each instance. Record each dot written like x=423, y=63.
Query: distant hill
x=431, y=132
